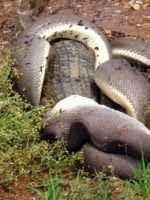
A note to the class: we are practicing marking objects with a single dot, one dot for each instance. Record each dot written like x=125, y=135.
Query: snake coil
x=110, y=74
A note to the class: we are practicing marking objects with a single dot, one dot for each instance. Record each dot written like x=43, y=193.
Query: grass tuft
x=142, y=179
x=6, y=62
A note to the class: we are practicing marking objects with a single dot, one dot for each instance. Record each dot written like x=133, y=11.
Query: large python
x=34, y=50
x=116, y=141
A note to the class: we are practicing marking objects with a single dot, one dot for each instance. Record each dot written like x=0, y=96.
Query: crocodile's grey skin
x=71, y=72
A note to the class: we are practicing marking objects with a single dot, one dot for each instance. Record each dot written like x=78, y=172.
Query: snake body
x=125, y=86
x=131, y=49
x=116, y=138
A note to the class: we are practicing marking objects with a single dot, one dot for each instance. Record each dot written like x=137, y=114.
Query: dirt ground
x=115, y=17
x=132, y=20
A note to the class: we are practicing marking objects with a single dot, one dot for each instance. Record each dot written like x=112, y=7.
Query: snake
x=114, y=77
x=112, y=138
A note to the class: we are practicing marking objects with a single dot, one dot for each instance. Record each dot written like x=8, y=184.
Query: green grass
x=148, y=120
x=57, y=174
x=142, y=182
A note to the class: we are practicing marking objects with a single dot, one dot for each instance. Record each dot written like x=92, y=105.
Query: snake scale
x=115, y=78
